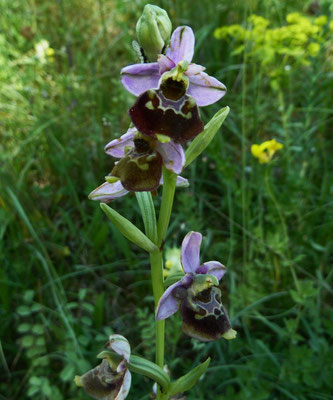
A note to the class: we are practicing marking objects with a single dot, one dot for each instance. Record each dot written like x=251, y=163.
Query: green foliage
x=68, y=279
x=279, y=49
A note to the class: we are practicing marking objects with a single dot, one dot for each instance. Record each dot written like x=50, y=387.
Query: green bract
x=141, y=366
x=130, y=231
x=189, y=380
x=206, y=136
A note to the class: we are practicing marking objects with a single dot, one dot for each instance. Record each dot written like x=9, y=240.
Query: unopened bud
x=153, y=31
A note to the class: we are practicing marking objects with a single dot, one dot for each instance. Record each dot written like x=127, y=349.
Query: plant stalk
x=156, y=257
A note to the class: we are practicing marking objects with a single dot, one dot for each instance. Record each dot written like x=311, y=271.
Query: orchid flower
x=140, y=165
x=168, y=111
x=109, y=381
x=110, y=191
x=197, y=295
x=205, y=89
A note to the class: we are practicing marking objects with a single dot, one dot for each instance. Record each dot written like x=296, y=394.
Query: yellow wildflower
x=313, y=49
x=259, y=22
x=294, y=18
x=321, y=21
x=50, y=52
x=266, y=150
x=44, y=52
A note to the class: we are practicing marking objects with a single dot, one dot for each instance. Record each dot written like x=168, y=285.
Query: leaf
x=67, y=373
x=23, y=311
x=147, y=209
x=206, y=136
x=38, y=329
x=187, y=381
x=27, y=341
x=25, y=327
x=130, y=231
x=151, y=370
x=141, y=366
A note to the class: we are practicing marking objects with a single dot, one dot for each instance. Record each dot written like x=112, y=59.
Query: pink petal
x=191, y=252
x=165, y=63
x=173, y=156
x=116, y=148
x=138, y=78
x=181, y=45
x=168, y=304
x=212, y=268
x=194, y=69
x=205, y=89
x=108, y=192
x=180, y=182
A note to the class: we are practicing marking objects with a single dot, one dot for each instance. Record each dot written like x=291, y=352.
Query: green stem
x=169, y=187
x=156, y=257
x=244, y=130
x=156, y=261
x=284, y=118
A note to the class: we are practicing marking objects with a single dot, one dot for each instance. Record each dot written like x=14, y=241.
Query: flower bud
x=153, y=31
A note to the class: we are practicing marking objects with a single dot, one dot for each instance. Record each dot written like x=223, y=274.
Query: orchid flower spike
x=170, y=90
x=205, y=89
x=197, y=296
x=109, y=381
x=140, y=165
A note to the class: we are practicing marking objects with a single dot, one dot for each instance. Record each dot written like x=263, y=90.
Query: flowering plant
x=266, y=150
x=165, y=115
x=282, y=49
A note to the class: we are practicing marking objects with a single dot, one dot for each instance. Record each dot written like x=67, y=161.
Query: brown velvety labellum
x=154, y=114
x=101, y=382
x=139, y=173
x=204, y=316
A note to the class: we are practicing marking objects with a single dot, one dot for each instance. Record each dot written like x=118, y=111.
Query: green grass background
x=68, y=279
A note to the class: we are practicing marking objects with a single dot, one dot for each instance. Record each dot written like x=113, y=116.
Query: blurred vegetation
x=68, y=279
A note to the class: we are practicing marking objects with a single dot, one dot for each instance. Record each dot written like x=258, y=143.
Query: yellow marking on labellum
x=180, y=112
x=163, y=138
x=188, y=115
x=213, y=314
x=127, y=149
x=144, y=166
x=191, y=102
x=111, y=179
x=198, y=316
x=78, y=381
x=151, y=157
x=149, y=105
x=230, y=334
x=151, y=94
